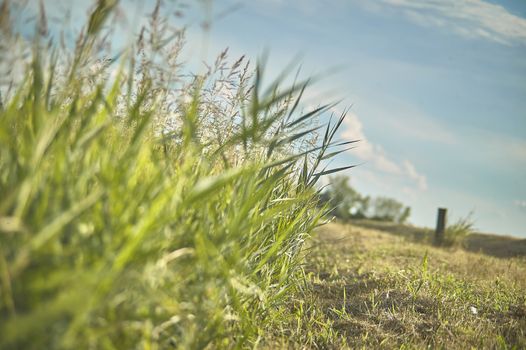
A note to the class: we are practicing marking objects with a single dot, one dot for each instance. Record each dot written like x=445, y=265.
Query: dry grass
x=489, y=244
x=373, y=289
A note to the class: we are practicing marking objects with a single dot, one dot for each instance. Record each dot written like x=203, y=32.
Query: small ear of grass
x=99, y=15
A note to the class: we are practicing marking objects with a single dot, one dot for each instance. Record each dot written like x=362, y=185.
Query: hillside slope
x=373, y=289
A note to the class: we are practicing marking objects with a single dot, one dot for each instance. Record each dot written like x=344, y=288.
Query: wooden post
x=441, y=225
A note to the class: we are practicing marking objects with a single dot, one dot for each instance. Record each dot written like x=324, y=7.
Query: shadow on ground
x=371, y=308
x=489, y=244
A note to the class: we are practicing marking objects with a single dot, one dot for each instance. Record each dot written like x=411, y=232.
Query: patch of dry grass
x=373, y=289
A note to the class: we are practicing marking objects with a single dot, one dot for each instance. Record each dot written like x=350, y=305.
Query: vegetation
x=143, y=209
x=389, y=289
x=389, y=209
x=350, y=204
x=458, y=232
x=346, y=202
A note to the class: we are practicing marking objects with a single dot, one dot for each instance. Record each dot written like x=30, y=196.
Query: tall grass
x=139, y=209
x=457, y=233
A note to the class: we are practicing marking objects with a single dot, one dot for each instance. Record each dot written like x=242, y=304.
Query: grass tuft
x=142, y=207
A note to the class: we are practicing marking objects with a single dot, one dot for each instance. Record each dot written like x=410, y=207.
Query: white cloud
x=410, y=170
x=376, y=156
x=520, y=203
x=468, y=18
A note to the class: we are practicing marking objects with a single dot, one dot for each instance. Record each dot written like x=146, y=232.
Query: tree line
x=347, y=203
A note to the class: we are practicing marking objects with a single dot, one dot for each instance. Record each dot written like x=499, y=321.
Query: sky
x=437, y=88
x=438, y=94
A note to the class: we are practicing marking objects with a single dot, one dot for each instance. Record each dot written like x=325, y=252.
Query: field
x=146, y=207
x=381, y=288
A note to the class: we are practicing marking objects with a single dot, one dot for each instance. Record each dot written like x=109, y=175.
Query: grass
x=372, y=289
x=143, y=209
x=459, y=231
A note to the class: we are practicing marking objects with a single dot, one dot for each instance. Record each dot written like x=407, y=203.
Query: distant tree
x=389, y=209
x=350, y=204
x=347, y=202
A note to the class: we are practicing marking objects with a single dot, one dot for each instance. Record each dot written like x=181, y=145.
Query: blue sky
x=438, y=90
